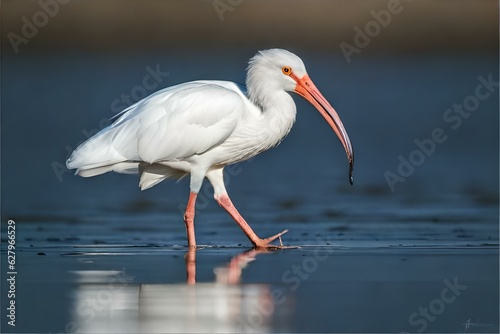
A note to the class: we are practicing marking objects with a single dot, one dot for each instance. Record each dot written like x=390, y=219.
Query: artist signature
x=468, y=324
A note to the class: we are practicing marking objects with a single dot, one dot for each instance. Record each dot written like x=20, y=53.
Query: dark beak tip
x=351, y=165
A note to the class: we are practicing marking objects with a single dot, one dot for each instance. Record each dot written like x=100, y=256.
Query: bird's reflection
x=221, y=306
x=226, y=274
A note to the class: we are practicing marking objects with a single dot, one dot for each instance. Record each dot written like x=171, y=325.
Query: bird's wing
x=170, y=125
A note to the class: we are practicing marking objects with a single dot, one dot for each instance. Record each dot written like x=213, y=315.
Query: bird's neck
x=278, y=113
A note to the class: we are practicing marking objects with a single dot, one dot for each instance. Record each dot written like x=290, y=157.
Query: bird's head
x=284, y=70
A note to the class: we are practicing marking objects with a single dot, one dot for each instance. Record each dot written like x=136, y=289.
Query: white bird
x=200, y=127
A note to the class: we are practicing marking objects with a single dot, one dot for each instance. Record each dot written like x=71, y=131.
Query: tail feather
x=121, y=167
x=110, y=146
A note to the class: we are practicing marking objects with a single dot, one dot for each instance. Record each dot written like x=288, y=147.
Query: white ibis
x=200, y=127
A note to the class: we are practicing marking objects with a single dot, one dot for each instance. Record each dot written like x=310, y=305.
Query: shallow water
x=132, y=273
x=97, y=255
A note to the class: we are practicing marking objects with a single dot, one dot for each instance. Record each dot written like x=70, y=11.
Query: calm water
x=109, y=258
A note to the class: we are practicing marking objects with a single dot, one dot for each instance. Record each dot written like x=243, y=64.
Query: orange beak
x=306, y=88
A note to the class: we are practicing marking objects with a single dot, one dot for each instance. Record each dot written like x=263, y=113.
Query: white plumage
x=201, y=126
x=174, y=125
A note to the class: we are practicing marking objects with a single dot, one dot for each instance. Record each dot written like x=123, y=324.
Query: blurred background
x=68, y=66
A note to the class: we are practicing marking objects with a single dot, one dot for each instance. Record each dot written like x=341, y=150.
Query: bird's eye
x=286, y=70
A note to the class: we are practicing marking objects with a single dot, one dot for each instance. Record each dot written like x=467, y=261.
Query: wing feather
x=170, y=125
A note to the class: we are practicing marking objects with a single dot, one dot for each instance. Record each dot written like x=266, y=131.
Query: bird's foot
x=264, y=244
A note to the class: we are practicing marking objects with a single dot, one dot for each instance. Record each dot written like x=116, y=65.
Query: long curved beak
x=306, y=88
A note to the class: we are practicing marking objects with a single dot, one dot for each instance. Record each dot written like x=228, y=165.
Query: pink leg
x=189, y=220
x=257, y=242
